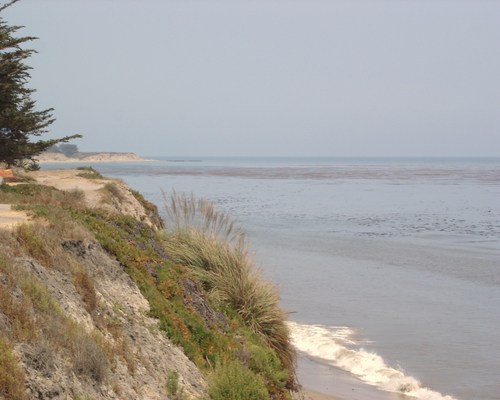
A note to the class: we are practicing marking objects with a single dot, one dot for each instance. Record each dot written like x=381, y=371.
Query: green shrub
x=236, y=382
x=174, y=390
x=89, y=173
x=264, y=361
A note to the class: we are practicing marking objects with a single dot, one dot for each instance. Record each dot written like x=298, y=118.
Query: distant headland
x=55, y=157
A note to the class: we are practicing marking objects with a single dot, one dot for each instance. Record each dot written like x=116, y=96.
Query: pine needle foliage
x=19, y=119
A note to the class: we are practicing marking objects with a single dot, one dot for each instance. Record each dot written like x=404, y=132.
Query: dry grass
x=32, y=313
x=215, y=250
x=21, y=325
x=112, y=195
x=85, y=287
x=37, y=194
x=43, y=241
x=11, y=375
x=89, y=358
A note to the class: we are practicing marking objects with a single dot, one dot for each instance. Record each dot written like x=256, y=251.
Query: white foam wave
x=331, y=344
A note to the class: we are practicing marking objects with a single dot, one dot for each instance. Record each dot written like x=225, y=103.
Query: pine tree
x=19, y=120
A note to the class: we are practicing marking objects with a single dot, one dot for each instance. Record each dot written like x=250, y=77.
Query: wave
x=335, y=346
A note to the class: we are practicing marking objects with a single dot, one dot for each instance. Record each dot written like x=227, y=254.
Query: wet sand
x=323, y=382
x=312, y=395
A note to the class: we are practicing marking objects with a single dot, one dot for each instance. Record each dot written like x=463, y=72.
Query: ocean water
x=390, y=268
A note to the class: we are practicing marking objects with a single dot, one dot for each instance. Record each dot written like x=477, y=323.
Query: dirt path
x=10, y=218
x=67, y=179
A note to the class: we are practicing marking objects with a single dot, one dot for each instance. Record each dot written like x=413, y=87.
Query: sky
x=269, y=78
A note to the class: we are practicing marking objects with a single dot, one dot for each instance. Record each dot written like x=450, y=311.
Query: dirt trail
x=61, y=179
x=121, y=201
x=10, y=218
x=68, y=179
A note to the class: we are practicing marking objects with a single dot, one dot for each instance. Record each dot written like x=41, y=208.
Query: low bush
x=236, y=382
x=89, y=173
x=89, y=359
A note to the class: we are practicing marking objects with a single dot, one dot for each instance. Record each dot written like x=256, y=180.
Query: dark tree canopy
x=20, y=122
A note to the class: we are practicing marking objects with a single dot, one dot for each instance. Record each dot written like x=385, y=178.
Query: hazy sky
x=285, y=78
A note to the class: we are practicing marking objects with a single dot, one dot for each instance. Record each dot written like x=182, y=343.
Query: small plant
x=89, y=359
x=39, y=296
x=236, y=382
x=89, y=173
x=11, y=375
x=85, y=287
x=173, y=388
x=114, y=191
x=112, y=195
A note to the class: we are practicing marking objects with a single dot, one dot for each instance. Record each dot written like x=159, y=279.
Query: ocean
x=389, y=268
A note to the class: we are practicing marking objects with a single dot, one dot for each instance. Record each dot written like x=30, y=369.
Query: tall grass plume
x=214, y=247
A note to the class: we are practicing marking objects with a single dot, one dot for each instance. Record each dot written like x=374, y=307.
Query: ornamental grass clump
x=210, y=243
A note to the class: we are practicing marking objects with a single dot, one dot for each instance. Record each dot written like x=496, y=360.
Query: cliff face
x=97, y=301
x=76, y=324
x=140, y=358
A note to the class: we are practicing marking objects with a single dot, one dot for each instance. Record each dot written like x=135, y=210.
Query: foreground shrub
x=236, y=382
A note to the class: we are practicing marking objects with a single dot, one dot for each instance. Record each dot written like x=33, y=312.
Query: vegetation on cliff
x=200, y=285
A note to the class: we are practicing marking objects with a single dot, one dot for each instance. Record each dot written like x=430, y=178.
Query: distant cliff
x=52, y=157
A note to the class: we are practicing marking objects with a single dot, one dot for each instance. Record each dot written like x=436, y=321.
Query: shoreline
x=321, y=381
x=314, y=395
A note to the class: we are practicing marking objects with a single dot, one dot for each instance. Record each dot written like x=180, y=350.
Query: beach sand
x=324, y=382
x=312, y=395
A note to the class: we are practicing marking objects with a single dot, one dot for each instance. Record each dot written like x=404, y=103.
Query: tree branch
x=8, y=4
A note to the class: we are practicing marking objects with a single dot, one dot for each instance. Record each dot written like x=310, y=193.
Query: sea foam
x=336, y=346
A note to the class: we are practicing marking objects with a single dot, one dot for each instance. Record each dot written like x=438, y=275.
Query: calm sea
x=390, y=268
